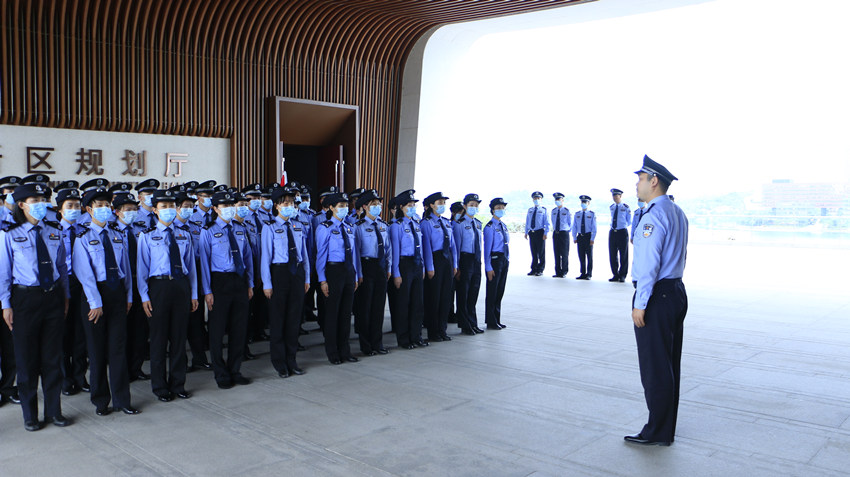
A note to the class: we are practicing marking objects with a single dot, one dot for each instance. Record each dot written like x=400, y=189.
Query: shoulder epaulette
x=268, y=222
x=7, y=226
x=53, y=224
x=207, y=227
x=80, y=234
x=360, y=222
x=627, y=205
x=380, y=220
x=114, y=226
x=149, y=229
x=328, y=223
x=461, y=219
x=489, y=223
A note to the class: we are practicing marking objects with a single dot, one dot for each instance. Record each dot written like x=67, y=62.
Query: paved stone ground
x=765, y=391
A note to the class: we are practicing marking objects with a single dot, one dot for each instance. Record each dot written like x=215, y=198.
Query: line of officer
x=441, y=257
x=167, y=285
x=618, y=237
x=34, y=295
x=496, y=261
x=285, y=275
x=467, y=235
x=373, y=244
x=584, y=234
x=101, y=263
x=536, y=232
x=227, y=280
x=561, y=219
x=660, y=302
x=408, y=270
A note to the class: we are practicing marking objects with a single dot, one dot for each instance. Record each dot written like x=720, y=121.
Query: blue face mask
x=499, y=213
x=167, y=215
x=227, y=213
x=71, y=215
x=641, y=204
x=304, y=205
x=410, y=211
x=255, y=204
x=536, y=202
x=185, y=213
x=243, y=211
x=375, y=210
x=129, y=216
x=472, y=210
x=101, y=214
x=584, y=206
x=38, y=210
x=341, y=212
x=9, y=199
x=441, y=209
x=287, y=211
x=267, y=204
x=206, y=202
x=559, y=203
x=458, y=216
x=149, y=200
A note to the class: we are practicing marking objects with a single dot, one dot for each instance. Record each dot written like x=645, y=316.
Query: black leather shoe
x=421, y=343
x=538, y=274
x=140, y=376
x=206, y=366
x=301, y=348
x=614, y=279
x=351, y=359
x=85, y=387
x=531, y=273
x=58, y=420
x=335, y=361
x=102, y=411
x=241, y=380
x=184, y=395
x=263, y=336
x=493, y=327
x=371, y=353
x=446, y=337
x=477, y=329
x=284, y=373
x=638, y=439
x=502, y=326
x=468, y=332
x=296, y=370
x=130, y=410
x=383, y=351
x=166, y=397
x=435, y=338
x=581, y=277
x=12, y=398
x=622, y=280
x=71, y=390
x=410, y=346
x=32, y=426
x=225, y=385
x=249, y=356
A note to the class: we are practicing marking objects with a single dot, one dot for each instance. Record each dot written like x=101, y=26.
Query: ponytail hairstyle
x=18, y=214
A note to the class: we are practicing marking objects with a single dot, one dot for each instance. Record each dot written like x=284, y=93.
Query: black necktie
x=614, y=221
x=557, y=219
x=207, y=218
x=257, y=222
x=234, y=251
x=111, y=263
x=152, y=219
x=349, y=261
x=417, y=247
x=505, y=238
x=380, y=239
x=477, y=242
x=73, y=238
x=533, y=218
x=293, y=251
x=174, y=255
x=131, y=243
x=45, y=264
x=446, y=244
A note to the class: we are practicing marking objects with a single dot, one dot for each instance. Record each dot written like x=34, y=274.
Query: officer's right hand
x=268, y=293
x=431, y=274
x=95, y=314
x=146, y=306
x=194, y=305
x=7, y=317
x=209, y=301
x=324, y=287
x=526, y=236
x=575, y=241
x=397, y=282
x=490, y=275
x=631, y=241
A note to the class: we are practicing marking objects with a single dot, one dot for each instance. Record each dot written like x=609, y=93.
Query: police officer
x=74, y=356
x=34, y=295
x=354, y=213
x=318, y=218
x=145, y=190
x=167, y=285
x=584, y=234
x=126, y=208
x=227, y=279
x=8, y=185
x=636, y=218
x=373, y=244
x=96, y=183
x=660, y=302
x=102, y=266
x=561, y=219
x=467, y=235
x=268, y=205
x=8, y=390
x=441, y=257
x=496, y=261
x=618, y=237
x=536, y=232
x=241, y=222
x=338, y=270
x=285, y=274
x=456, y=211
x=258, y=319
x=305, y=216
x=203, y=208
x=408, y=273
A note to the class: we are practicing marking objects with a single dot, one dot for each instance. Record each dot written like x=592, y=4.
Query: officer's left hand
x=268, y=292
x=430, y=274
x=306, y=287
x=637, y=317
x=490, y=275
x=250, y=293
x=95, y=314
x=456, y=272
x=129, y=305
x=194, y=305
x=545, y=236
x=209, y=300
x=591, y=242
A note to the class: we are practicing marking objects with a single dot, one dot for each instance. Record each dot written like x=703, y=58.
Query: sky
x=728, y=94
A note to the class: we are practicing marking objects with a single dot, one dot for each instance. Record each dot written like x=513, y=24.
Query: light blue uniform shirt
x=635, y=219
x=69, y=229
x=275, y=247
x=541, y=220
x=153, y=259
x=194, y=230
x=254, y=233
x=589, y=224
x=199, y=218
x=624, y=215
x=216, y=255
x=306, y=218
x=496, y=239
x=90, y=261
x=330, y=246
x=465, y=235
x=661, y=247
x=367, y=240
x=432, y=240
x=403, y=243
x=562, y=215
x=19, y=259
x=145, y=218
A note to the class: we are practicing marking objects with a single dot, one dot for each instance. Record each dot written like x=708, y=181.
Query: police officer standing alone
x=660, y=302
x=561, y=236
x=536, y=232
x=584, y=234
x=618, y=237
x=496, y=260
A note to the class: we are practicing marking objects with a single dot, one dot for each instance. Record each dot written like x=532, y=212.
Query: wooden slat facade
x=204, y=67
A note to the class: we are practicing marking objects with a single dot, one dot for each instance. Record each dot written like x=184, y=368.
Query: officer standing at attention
x=8, y=390
x=337, y=265
x=8, y=185
x=258, y=318
x=536, y=232
x=227, y=279
x=373, y=244
x=408, y=273
x=618, y=237
x=285, y=275
x=145, y=190
x=467, y=235
x=96, y=183
x=496, y=260
x=660, y=302
x=561, y=236
x=34, y=295
x=203, y=207
x=584, y=234
x=305, y=216
x=636, y=218
x=441, y=257
x=102, y=266
x=319, y=217
x=168, y=286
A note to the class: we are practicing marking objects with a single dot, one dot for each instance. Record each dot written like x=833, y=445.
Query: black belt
x=36, y=287
x=224, y=274
x=662, y=282
x=335, y=263
x=165, y=277
x=617, y=230
x=281, y=265
x=369, y=259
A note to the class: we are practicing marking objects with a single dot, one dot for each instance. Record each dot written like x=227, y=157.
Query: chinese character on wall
x=172, y=158
x=37, y=158
x=136, y=163
x=90, y=161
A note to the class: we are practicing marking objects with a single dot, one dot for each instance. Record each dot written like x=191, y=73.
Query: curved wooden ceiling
x=203, y=67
